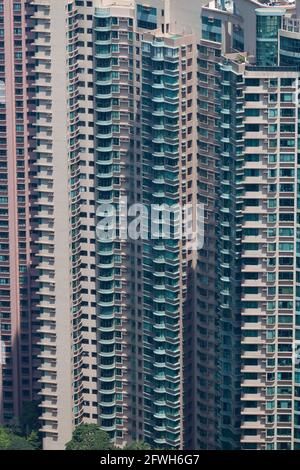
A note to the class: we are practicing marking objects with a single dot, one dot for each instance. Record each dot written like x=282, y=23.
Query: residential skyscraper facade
x=125, y=106
x=257, y=97
x=16, y=382
x=146, y=102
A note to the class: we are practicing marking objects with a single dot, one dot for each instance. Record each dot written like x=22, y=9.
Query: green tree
x=15, y=427
x=4, y=439
x=29, y=420
x=138, y=445
x=11, y=441
x=19, y=443
x=34, y=440
x=89, y=437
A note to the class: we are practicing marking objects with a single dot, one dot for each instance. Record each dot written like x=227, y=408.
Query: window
x=273, y=82
x=252, y=112
x=287, y=157
x=252, y=142
x=287, y=81
x=286, y=97
x=287, y=112
x=146, y=17
x=272, y=128
x=272, y=113
x=252, y=127
x=272, y=158
x=252, y=97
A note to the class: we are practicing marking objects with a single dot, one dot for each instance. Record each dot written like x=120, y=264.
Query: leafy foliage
x=29, y=420
x=4, y=439
x=23, y=434
x=34, y=440
x=138, y=445
x=89, y=437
